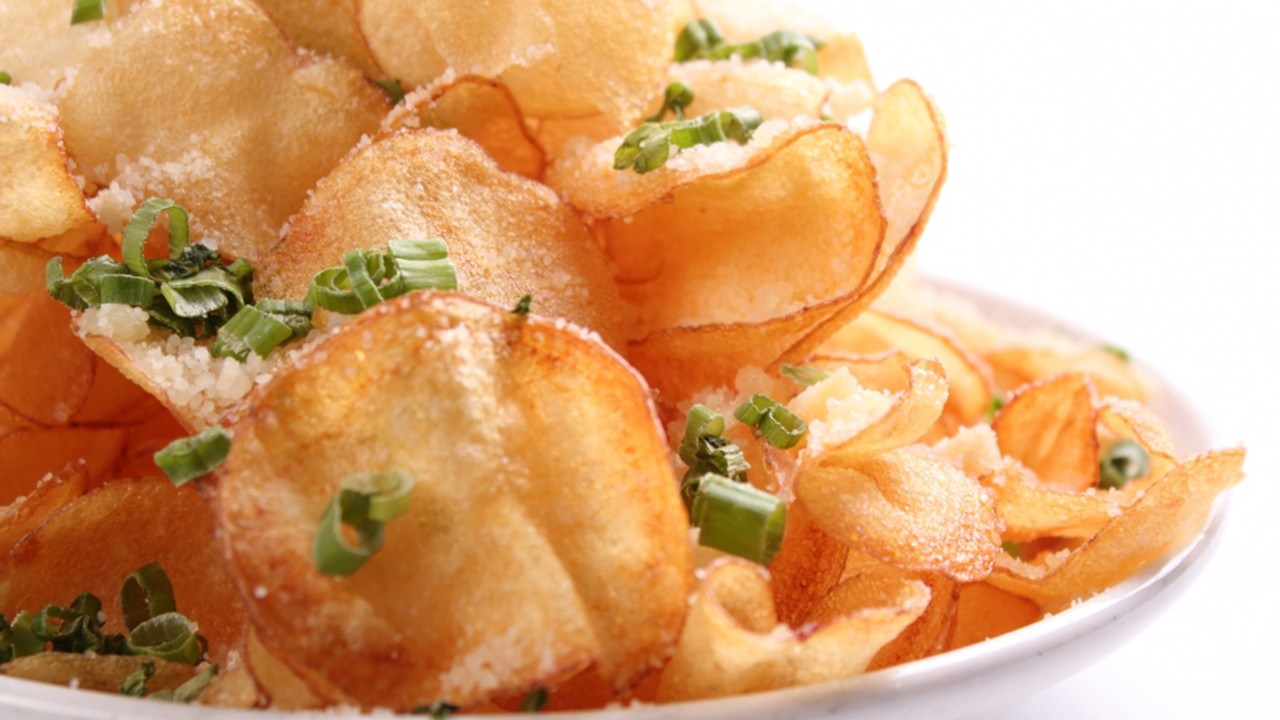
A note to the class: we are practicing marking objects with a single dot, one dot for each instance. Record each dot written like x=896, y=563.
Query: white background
x=1115, y=164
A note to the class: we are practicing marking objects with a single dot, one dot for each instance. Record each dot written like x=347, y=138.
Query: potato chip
x=480, y=109
x=284, y=691
x=45, y=371
x=984, y=612
x=538, y=460
x=807, y=567
x=1169, y=510
x=28, y=455
x=51, y=492
x=774, y=91
x=143, y=440
x=1109, y=372
x=327, y=26
x=80, y=548
x=38, y=43
x=40, y=202
x=103, y=673
x=507, y=235
x=1031, y=511
x=970, y=387
x=550, y=53
x=732, y=643
x=21, y=268
x=1128, y=420
x=1051, y=427
x=260, y=123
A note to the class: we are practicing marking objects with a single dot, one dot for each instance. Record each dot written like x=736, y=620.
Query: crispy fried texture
x=1051, y=427
x=327, y=26
x=544, y=492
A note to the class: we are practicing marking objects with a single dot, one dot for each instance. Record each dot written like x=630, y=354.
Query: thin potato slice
x=284, y=690
x=776, y=92
x=1170, y=510
x=38, y=43
x=80, y=548
x=968, y=378
x=480, y=109
x=327, y=26
x=556, y=532
x=507, y=235
x=1031, y=511
x=103, y=673
x=114, y=399
x=807, y=567
x=1051, y=427
x=1111, y=374
x=40, y=202
x=26, y=456
x=732, y=644
x=239, y=155
x=985, y=611
x=45, y=371
x=51, y=492
x=906, y=509
x=21, y=268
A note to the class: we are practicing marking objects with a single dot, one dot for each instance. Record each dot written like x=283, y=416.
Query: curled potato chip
x=103, y=673
x=38, y=43
x=1051, y=427
x=21, y=268
x=1168, y=511
x=508, y=236
x=807, y=567
x=51, y=492
x=732, y=643
x=1031, y=511
x=80, y=549
x=327, y=26
x=1109, y=372
x=774, y=91
x=544, y=491
x=45, y=371
x=30, y=454
x=480, y=109
x=984, y=611
x=968, y=378
x=114, y=399
x=248, y=141
x=1128, y=420
x=284, y=691
x=906, y=509
x=40, y=202
x=549, y=53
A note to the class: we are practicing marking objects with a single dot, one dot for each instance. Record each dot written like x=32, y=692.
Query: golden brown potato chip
x=906, y=509
x=38, y=43
x=143, y=440
x=284, y=690
x=327, y=26
x=113, y=399
x=1169, y=510
x=1128, y=420
x=1109, y=372
x=1051, y=427
x=45, y=371
x=732, y=643
x=26, y=456
x=21, y=268
x=247, y=141
x=480, y=109
x=1031, y=511
x=40, y=202
x=549, y=53
x=538, y=461
x=103, y=673
x=985, y=612
x=507, y=235
x=774, y=91
x=80, y=548
x=968, y=378
x=51, y=492
x=807, y=567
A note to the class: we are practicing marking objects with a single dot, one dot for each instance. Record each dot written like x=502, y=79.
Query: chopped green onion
x=145, y=594
x=5, y=78
x=1117, y=351
x=534, y=701
x=738, y=519
x=136, y=684
x=424, y=264
x=127, y=290
x=393, y=89
x=648, y=146
x=190, y=690
x=994, y=407
x=804, y=375
x=702, y=39
x=251, y=330
x=165, y=318
x=525, y=304
x=16, y=638
x=75, y=628
x=217, y=278
x=83, y=288
x=186, y=459
x=437, y=710
x=1123, y=461
x=779, y=426
x=139, y=227
x=170, y=636
x=364, y=503
x=193, y=302
x=83, y=11
x=1012, y=549
x=675, y=98
x=701, y=420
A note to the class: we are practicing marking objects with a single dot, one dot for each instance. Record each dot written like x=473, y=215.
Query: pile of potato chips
x=947, y=490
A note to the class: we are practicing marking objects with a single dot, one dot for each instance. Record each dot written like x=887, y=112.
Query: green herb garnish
x=1117, y=351
x=702, y=40
x=365, y=503
x=136, y=684
x=675, y=99
x=779, y=426
x=534, y=701
x=1012, y=549
x=806, y=376
x=523, y=307
x=1123, y=461
x=736, y=518
x=186, y=459
x=190, y=690
x=5, y=78
x=648, y=146
x=17, y=639
x=368, y=277
x=437, y=710
x=393, y=89
x=994, y=406
x=83, y=11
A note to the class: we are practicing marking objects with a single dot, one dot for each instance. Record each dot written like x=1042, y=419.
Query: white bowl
x=957, y=684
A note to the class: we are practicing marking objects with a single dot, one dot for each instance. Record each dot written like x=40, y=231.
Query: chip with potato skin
x=1051, y=428
x=544, y=492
